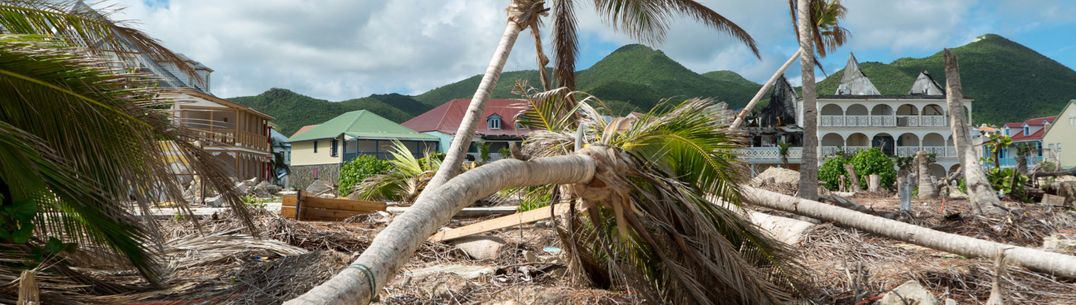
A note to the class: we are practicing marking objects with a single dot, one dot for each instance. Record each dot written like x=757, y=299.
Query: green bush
x=358, y=170
x=830, y=172
x=874, y=161
x=483, y=152
x=865, y=162
x=1002, y=180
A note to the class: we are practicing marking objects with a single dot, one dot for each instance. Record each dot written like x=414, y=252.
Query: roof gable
x=360, y=124
x=854, y=82
x=925, y=85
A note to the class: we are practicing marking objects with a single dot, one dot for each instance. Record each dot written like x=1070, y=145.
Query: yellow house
x=317, y=152
x=1060, y=138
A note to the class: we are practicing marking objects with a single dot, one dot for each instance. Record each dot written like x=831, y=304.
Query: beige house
x=236, y=136
x=1060, y=138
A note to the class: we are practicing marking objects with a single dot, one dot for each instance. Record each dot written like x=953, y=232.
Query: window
x=1027, y=131
x=332, y=148
x=494, y=122
x=315, y=146
x=1072, y=120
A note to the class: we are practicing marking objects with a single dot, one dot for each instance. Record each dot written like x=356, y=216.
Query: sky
x=343, y=49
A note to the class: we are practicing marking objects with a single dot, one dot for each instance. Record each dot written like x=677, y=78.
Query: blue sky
x=341, y=49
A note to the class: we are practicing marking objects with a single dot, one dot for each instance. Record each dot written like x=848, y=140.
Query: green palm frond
x=106, y=145
x=406, y=179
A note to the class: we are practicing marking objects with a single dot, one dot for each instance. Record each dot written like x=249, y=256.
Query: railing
x=855, y=149
x=932, y=121
x=768, y=155
x=1011, y=162
x=831, y=150
x=907, y=151
x=230, y=138
x=883, y=121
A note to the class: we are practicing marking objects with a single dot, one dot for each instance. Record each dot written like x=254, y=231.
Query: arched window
x=494, y=121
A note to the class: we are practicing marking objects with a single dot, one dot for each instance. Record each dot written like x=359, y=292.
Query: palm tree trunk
x=926, y=189
x=1049, y=262
x=980, y=193
x=457, y=152
x=762, y=91
x=394, y=246
x=809, y=166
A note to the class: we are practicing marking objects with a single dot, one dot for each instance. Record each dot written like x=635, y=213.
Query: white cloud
x=914, y=25
x=332, y=49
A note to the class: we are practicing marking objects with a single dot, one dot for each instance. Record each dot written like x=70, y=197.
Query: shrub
x=358, y=170
x=865, y=162
x=874, y=161
x=1002, y=180
x=830, y=172
x=483, y=152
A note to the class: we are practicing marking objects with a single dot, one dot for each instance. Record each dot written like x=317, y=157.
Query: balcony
x=241, y=139
x=883, y=120
x=768, y=155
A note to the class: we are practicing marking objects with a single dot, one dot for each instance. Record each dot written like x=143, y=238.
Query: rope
x=369, y=277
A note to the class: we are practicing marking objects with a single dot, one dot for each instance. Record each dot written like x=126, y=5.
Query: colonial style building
x=857, y=116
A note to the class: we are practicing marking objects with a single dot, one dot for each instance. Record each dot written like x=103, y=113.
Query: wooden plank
x=289, y=200
x=287, y=212
x=498, y=223
x=469, y=212
x=343, y=204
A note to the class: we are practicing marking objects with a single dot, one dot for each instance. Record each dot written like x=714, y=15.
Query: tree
x=638, y=180
x=782, y=149
x=407, y=177
x=644, y=20
x=809, y=166
x=828, y=36
x=980, y=193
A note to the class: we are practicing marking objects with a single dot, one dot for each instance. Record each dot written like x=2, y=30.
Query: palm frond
x=648, y=21
x=407, y=178
x=565, y=43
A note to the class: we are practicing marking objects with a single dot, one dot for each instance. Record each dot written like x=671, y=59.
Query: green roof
x=361, y=124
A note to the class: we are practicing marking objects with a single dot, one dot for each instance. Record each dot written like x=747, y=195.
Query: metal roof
x=854, y=82
x=361, y=124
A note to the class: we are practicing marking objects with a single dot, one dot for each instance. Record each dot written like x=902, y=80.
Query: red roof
x=1019, y=136
x=304, y=129
x=446, y=118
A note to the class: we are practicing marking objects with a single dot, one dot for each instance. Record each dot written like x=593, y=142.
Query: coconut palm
x=645, y=20
x=828, y=36
x=82, y=147
x=809, y=166
x=643, y=219
x=782, y=149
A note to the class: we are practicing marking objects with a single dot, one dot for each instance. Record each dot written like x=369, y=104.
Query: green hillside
x=291, y=110
x=633, y=77
x=1008, y=81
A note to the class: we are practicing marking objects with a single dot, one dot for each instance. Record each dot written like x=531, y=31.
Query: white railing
x=854, y=149
x=831, y=150
x=907, y=150
x=831, y=120
x=908, y=120
x=932, y=120
x=768, y=154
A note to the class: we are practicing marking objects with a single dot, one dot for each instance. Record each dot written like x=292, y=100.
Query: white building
x=858, y=117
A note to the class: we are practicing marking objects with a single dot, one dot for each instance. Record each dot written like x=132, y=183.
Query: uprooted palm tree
x=642, y=219
x=81, y=149
x=642, y=19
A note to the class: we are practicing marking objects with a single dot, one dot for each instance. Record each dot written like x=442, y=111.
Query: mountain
x=1008, y=81
x=291, y=110
x=634, y=77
